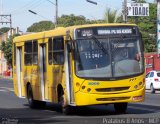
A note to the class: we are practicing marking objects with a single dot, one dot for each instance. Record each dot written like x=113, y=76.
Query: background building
x=3, y=38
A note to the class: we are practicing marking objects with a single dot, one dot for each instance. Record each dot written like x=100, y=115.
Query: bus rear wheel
x=120, y=107
x=33, y=103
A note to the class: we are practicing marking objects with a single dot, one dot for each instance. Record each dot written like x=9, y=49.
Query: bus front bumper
x=83, y=99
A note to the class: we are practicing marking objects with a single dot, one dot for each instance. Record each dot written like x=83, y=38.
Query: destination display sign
x=138, y=9
x=106, y=31
x=102, y=31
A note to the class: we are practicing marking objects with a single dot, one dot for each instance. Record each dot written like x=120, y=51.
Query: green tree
x=41, y=26
x=63, y=21
x=70, y=20
x=4, y=30
x=6, y=48
x=111, y=15
x=148, y=27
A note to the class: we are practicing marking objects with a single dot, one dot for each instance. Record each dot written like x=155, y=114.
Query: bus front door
x=20, y=83
x=42, y=65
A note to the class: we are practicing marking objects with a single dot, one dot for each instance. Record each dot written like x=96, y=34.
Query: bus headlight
x=136, y=86
x=140, y=83
x=83, y=87
x=78, y=84
x=89, y=89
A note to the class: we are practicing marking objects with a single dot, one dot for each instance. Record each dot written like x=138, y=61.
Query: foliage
x=41, y=26
x=6, y=48
x=4, y=30
x=70, y=20
x=110, y=15
x=148, y=28
x=63, y=21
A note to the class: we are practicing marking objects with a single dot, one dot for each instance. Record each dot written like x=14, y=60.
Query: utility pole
x=125, y=13
x=1, y=6
x=136, y=18
x=1, y=10
x=56, y=11
x=56, y=22
x=6, y=19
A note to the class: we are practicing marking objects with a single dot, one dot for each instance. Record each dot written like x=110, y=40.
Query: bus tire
x=120, y=107
x=31, y=101
x=66, y=109
x=40, y=104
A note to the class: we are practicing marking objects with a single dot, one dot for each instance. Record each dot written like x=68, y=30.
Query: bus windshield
x=108, y=57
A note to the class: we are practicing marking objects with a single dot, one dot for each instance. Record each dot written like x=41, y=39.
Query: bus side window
x=31, y=52
x=35, y=52
x=50, y=50
x=58, y=50
x=28, y=53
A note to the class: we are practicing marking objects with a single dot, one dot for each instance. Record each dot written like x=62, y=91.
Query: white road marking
x=1, y=90
x=6, y=89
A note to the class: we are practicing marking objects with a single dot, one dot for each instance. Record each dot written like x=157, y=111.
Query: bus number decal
x=132, y=79
x=93, y=83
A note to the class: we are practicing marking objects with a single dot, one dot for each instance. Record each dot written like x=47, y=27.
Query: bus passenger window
x=28, y=53
x=31, y=52
x=50, y=52
x=58, y=51
x=35, y=52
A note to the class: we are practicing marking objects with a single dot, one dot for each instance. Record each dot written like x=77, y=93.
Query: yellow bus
x=82, y=65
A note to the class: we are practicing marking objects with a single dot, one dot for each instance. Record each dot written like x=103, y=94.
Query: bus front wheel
x=120, y=107
x=66, y=109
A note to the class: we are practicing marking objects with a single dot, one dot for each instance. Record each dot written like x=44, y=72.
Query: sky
x=46, y=10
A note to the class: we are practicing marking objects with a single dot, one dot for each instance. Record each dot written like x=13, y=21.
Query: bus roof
x=103, y=24
x=60, y=31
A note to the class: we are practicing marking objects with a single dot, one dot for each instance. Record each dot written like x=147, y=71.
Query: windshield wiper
x=99, y=44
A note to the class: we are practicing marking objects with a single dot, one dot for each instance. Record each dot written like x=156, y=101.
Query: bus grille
x=112, y=89
x=112, y=99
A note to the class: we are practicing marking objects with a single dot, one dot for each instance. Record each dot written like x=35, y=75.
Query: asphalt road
x=14, y=110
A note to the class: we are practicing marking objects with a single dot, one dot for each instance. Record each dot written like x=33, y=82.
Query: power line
x=25, y=7
x=51, y=2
